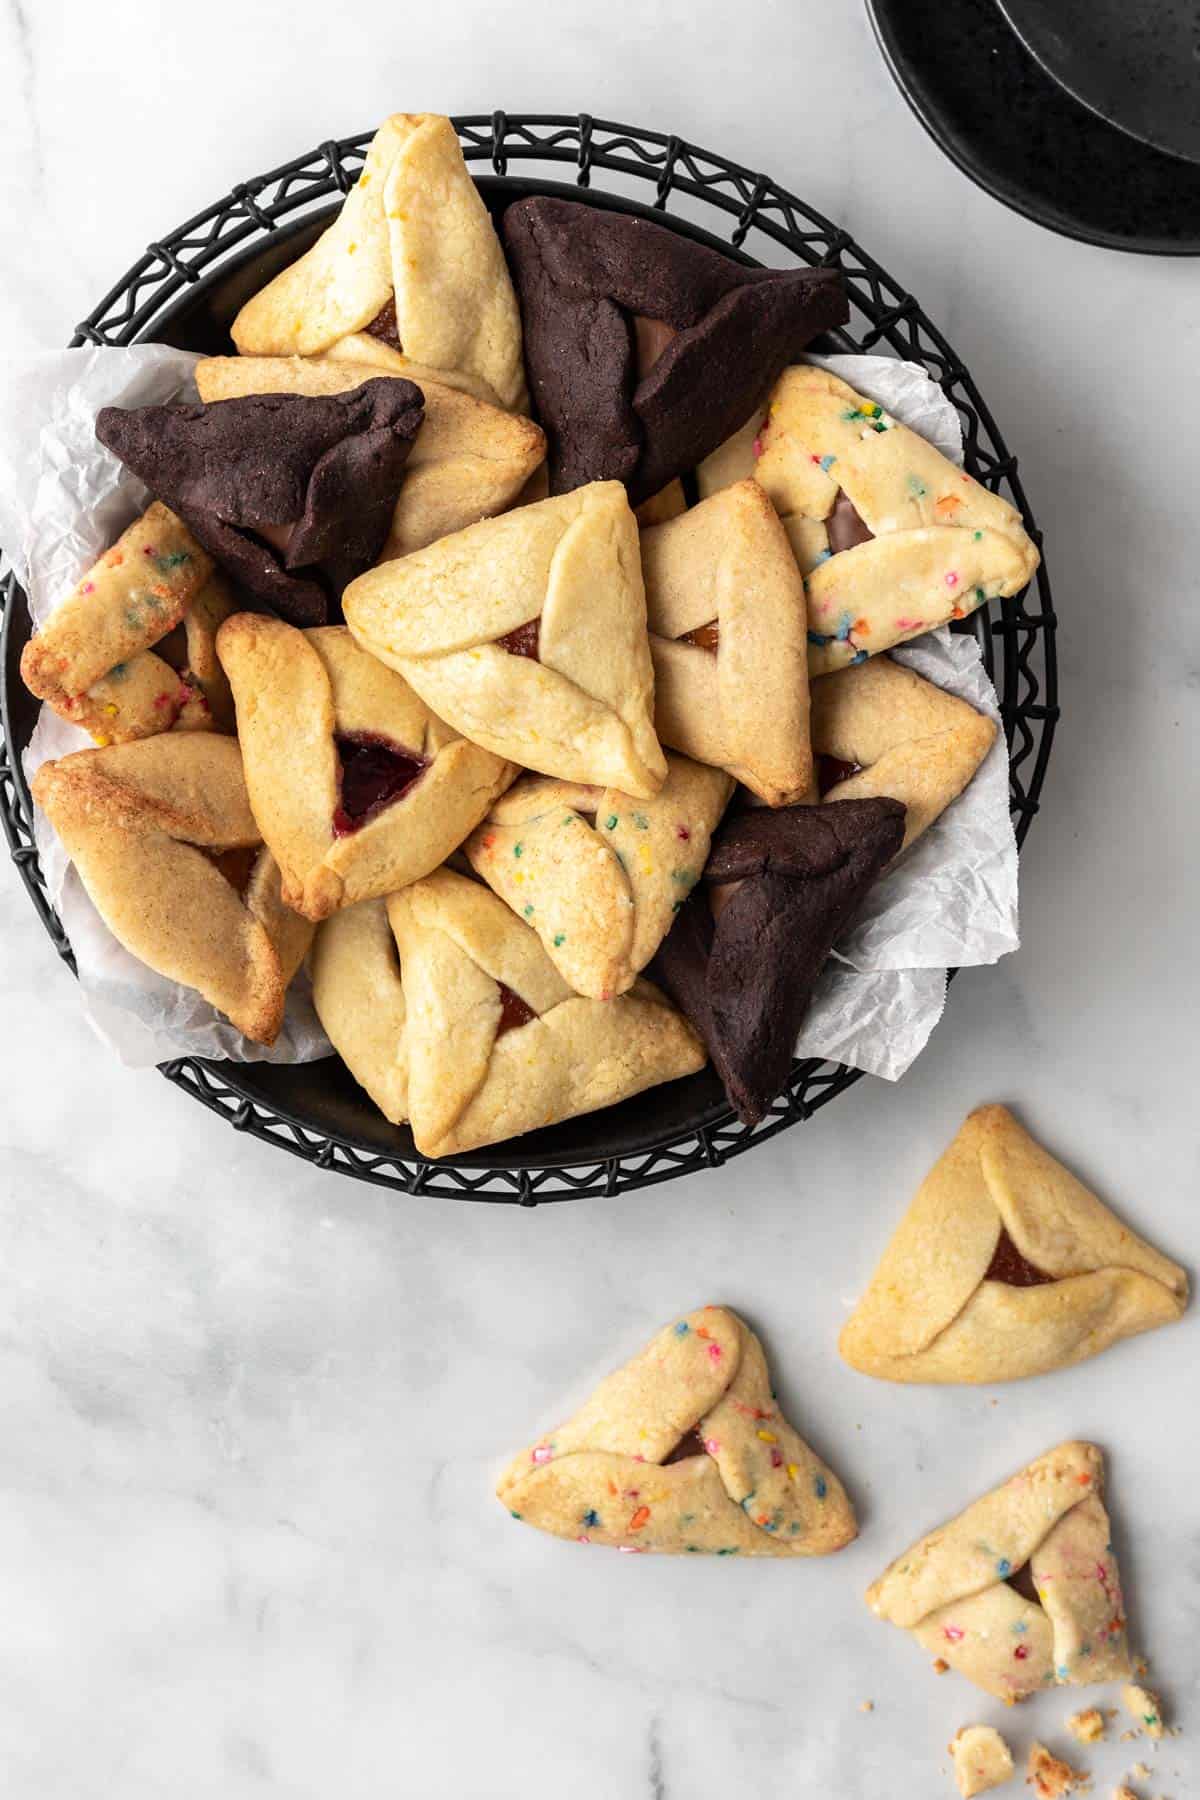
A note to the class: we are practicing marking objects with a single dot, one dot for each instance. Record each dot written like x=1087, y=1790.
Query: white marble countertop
x=251, y=1411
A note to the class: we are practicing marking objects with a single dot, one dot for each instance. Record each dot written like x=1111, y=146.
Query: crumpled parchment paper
x=951, y=900
x=63, y=500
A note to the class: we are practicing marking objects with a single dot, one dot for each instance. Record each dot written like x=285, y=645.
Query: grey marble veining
x=252, y=1413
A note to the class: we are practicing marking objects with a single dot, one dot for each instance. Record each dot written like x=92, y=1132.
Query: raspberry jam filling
x=1011, y=1267
x=374, y=773
x=523, y=641
x=705, y=637
x=513, y=1011
x=833, y=769
x=383, y=326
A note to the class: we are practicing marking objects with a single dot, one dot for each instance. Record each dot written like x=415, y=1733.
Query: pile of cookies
x=560, y=745
x=1004, y=1266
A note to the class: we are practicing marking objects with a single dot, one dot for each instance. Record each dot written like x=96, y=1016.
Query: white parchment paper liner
x=64, y=499
x=952, y=900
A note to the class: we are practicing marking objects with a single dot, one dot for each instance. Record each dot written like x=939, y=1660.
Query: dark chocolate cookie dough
x=645, y=351
x=291, y=493
x=745, y=980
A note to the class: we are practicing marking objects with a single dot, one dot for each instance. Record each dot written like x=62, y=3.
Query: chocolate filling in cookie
x=292, y=493
x=650, y=339
x=690, y=1444
x=745, y=979
x=646, y=350
x=1021, y=1581
x=174, y=648
x=374, y=772
x=844, y=527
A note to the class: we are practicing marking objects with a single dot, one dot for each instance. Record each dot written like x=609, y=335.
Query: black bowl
x=995, y=111
x=187, y=289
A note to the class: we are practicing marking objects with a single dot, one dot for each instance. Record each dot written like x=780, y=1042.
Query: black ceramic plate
x=187, y=288
x=995, y=112
x=1136, y=66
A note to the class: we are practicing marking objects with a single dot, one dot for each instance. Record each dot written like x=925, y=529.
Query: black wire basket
x=186, y=290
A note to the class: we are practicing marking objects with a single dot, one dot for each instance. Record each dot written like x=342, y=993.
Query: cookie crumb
x=1124, y=1793
x=866, y=1706
x=940, y=1667
x=982, y=1759
x=1139, y=1772
x=1087, y=1727
x=1142, y=1705
x=1049, y=1776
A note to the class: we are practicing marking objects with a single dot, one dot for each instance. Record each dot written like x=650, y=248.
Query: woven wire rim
x=1016, y=635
